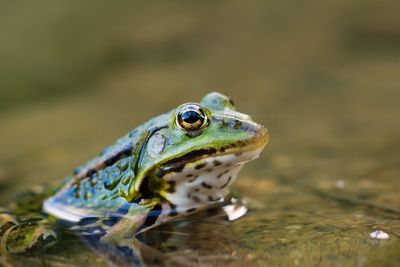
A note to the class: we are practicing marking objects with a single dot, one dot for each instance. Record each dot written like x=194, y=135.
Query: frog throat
x=202, y=182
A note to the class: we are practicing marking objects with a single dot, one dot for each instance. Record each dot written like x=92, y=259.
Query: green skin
x=128, y=180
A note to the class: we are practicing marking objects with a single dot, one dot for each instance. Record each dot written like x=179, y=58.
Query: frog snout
x=258, y=133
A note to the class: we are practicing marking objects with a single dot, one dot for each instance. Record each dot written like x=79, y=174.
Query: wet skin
x=173, y=165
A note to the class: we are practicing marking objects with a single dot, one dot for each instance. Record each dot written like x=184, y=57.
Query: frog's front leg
x=137, y=219
x=121, y=245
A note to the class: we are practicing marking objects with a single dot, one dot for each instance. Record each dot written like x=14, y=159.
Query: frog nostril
x=235, y=124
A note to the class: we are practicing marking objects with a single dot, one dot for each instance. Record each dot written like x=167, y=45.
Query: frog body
x=173, y=165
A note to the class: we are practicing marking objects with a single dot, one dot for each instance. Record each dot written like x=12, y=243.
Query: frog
x=174, y=165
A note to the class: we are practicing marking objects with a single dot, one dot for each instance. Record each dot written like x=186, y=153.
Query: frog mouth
x=258, y=142
x=178, y=164
x=192, y=156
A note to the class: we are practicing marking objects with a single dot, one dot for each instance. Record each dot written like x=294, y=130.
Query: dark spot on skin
x=191, y=210
x=90, y=172
x=235, y=124
x=111, y=184
x=171, y=188
x=200, y=166
x=238, y=154
x=173, y=213
x=216, y=163
x=124, y=208
x=193, y=179
x=110, y=161
x=125, y=152
x=152, y=217
x=205, y=185
x=162, y=171
x=93, y=180
x=146, y=192
x=196, y=190
x=211, y=199
x=111, y=221
x=196, y=199
x=227, y=182
x=221, y=174
x=76, y=192
x=209, y=170
x=189, y=175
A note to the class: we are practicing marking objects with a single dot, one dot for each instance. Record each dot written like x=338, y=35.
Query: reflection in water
x=162, y=246
x=167, y=245
x=379, y=235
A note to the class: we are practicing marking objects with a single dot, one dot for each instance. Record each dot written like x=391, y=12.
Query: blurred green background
x=323, y=76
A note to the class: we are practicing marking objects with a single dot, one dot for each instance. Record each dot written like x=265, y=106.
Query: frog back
x=101, y=186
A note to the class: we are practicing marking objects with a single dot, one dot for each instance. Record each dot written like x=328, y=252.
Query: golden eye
x=191, y=117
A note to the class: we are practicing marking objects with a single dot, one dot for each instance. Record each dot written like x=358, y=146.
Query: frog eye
x=191, y=117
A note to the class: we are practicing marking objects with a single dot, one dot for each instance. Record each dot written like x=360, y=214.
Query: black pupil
x=191, y=116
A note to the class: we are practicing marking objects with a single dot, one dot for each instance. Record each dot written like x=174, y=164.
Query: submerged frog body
x=173, y=165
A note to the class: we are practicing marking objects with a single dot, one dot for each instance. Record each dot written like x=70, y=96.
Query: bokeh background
x=323, y=76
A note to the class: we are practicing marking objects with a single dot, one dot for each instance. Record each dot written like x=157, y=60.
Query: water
x=323, y=77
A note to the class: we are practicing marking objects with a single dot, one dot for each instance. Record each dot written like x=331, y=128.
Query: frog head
x=194, y=159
